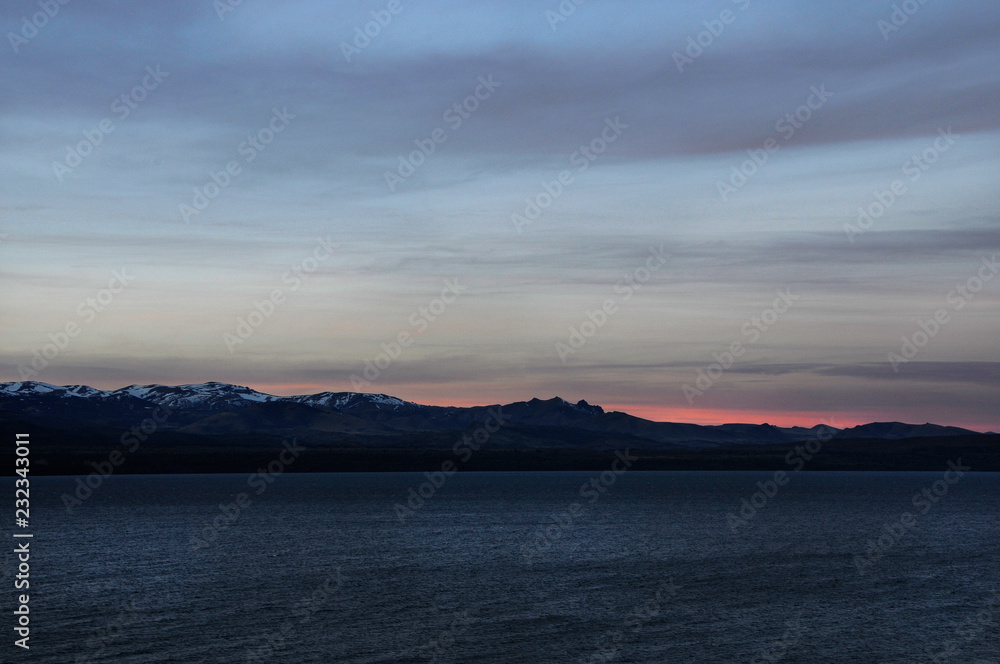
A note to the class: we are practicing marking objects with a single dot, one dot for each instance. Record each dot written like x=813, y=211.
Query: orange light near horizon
x=712, y=416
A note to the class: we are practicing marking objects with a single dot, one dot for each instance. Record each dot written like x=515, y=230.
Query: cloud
x=325, y=177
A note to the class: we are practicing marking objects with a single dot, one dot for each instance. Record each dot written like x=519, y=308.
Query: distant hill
x=897, y=430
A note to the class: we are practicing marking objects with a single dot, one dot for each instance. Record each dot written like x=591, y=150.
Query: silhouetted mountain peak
x=895, y=430
x=558, y=403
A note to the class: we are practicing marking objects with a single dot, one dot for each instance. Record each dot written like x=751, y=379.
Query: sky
x=708, y=212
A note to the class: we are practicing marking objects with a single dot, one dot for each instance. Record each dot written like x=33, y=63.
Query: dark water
x=321, y=567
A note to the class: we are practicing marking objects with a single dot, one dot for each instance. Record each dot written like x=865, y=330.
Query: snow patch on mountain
x=348, y=400
x=30, y=387
x=203, y=396
x=198, y=395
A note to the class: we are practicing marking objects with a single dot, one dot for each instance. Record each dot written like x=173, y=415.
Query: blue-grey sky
x=573, y=162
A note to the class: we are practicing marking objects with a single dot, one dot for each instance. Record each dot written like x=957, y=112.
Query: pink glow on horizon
x=442, y=395
x=711, y=416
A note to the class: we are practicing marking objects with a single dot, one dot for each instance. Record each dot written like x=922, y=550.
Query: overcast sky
x=115, y=117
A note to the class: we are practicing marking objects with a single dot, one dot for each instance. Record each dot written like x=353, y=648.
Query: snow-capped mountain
x=203, y=396
x=200, y=396
x=346, y=400
x=33, y=388
x=191, y=399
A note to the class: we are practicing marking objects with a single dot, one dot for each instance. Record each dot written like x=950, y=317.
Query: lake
x=527, y=567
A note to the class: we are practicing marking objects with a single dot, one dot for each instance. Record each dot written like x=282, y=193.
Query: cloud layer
x=210, y=156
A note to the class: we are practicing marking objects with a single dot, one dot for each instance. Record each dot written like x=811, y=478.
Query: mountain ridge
x=217, y=408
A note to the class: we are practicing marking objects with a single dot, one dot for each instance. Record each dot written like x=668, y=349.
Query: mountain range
x=220, y=408
x=241, y=420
